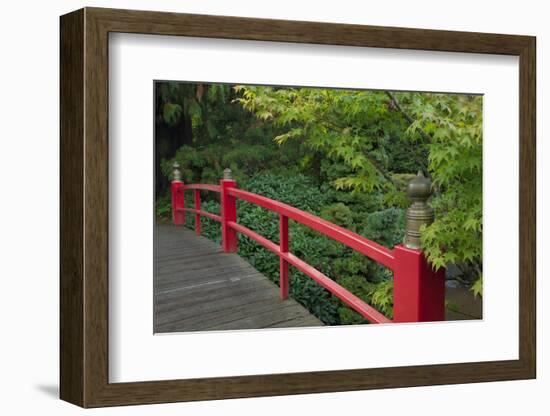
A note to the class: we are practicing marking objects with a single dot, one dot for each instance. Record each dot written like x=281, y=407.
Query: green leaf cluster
x=370, y=137
x=345, y=155
x=454, y=124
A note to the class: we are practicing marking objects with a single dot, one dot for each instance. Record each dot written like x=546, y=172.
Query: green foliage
x=451, y=306
x=172, y=113
x=369, y=135
x=354, y=128
x=379, y=295
x=346, y=156
x=298, y=190
x=163, y=207
x=200, y=105
x=338, y=214
x=454, y=123
x=382, y=297
x=397, y=197
x=249, y=158
x=477, y=287
x=386, y=227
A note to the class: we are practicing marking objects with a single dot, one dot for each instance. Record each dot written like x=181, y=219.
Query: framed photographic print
x=256, y=207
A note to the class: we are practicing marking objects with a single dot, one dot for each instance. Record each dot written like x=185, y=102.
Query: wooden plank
x=297, y=322
x=225, y=314
x=208, y=295
x=203, y=311
x=198, y=287
x=263, y=319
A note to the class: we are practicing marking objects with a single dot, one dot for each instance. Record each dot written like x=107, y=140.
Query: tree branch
x=422, y=133
x=411, y=120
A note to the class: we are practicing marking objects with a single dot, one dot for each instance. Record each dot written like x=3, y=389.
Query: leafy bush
x=338, y=214
x=386, y=227
x=300, y=191
x=163, y=207
x=368, y=136
x=378, y=295
x=249, y=158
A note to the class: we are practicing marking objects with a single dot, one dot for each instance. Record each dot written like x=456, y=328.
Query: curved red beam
x=359, y=243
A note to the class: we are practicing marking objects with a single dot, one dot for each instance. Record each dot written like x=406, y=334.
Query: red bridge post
x=283, y=264
x=229, y=213
x=418, y=290
x=197, y=194
x=178, y=197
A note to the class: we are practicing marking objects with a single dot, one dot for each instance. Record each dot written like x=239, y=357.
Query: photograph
x=257, y=203
x=301, y=206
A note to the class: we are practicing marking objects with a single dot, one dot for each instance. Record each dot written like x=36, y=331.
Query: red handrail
x=358, y=243
x=204, y=214
x=203, y=186
x=196, y=187
x=414, y=280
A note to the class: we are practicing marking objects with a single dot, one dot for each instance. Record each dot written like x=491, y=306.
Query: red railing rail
x=418, y=293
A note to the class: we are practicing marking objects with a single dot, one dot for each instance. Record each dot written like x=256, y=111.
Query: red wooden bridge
x=419, y=291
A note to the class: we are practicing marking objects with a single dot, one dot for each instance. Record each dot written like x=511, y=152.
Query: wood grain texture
x=527, y=208
x=84, y=215
x=198, y=287
x=225, y=27
x=71, y=213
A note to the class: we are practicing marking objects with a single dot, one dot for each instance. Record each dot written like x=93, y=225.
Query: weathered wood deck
x=197, y=287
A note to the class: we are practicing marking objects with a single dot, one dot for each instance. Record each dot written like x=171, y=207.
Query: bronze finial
x=419, y=213
x=227, y=174
x=176, y=174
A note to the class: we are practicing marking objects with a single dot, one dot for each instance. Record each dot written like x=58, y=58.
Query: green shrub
x=163, y=207
x=378, y=295
x=386, y=227
x=338, y=214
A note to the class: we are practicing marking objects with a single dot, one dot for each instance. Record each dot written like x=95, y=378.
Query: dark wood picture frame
x=84, y=207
